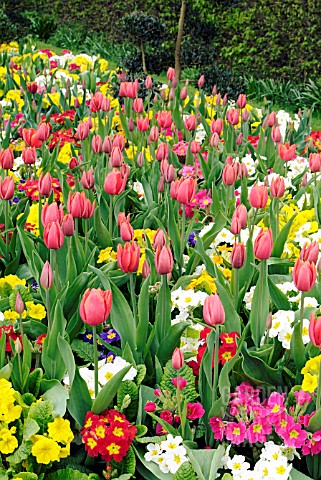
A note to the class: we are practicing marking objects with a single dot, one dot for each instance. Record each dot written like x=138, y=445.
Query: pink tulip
x=95, y=306
x=164, y=260
x=238, y=255
x=315, y=330
x=115, y=182
x=310, y=252
x=258, y=196
x=277, y=187
x=45, y=184
x=287, y=151
x=53, y=236
x=178, y=359
x=213, y=310
x=46, y=277
x=263, y=244
x=6, y=188
x=128, y=257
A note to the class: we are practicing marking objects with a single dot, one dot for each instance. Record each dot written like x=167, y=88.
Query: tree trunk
x=142, y=47
x=178, y=67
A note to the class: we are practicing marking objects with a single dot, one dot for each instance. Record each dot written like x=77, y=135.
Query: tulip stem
x=133, y=295
x=216, y=349
x=277, y=208
x=111, y=215
x=182, y=238
x=253, y=223
x=48, y=309
x=236, y=287
x=21, y=326
x=301, y=312
x=179, y=405
x=6, y=226
x=95, y=359
x=318, y=401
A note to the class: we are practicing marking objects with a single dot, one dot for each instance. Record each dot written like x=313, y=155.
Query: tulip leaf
x=143, y=315
x=315, y=422
x=102, y=232
x=67, y=355
x=51, y=357
x=282, y=238
x=170, y=341
x=108, y=391
x=258, y=371
x=277, y=296
x=260, y=305
x=173, y=230
x=79, y=402
x=232, y=319
x=297, y=347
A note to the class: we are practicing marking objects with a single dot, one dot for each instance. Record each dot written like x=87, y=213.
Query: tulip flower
x=272, y=120
x=43, y=131
x=138, y=105
x=170, y=73
x=142, y=124
x=315, y=162
x=97, y=144
x=201, y=81
x=287, y=151
x=53, y=236
x=126, y=231
x=128, y=257
x=162, y=152
x=229, y=175
x=87, y=179
x=115, y=182
x=96, y=101
x=123, y=218
x=183, y=93
x=276, y=134
x=217, y=126
x=239, y=219
x=164, y=260
x=107, y=145
x=178, y=359
x=232, y=116
x=88, y=209
x=241, y=101
x=213, y=310
x=75, y=204
x=29, y=155
x=304, y=275
x=190, y=123
x=164, y=119
x=82, y=131
x=148, y=82
x=6, y=158
x=30, y=137
x=46, y=277
x=277, y=187
x=67, y=225
x=310, y=252
x=263, y=244
x=159, y=239
x=45, y=184
x=238, y=255
x=258, y=196
x=168, y=171
x=6, y=188
x=186, y=191
x=154, y=133
x=145, y=269
x=51, y=213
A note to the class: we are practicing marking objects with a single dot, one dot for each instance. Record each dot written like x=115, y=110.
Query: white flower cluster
x=272, y=465
x=168, y=454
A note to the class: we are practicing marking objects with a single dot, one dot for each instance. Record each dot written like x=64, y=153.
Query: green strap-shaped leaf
x=108, y=391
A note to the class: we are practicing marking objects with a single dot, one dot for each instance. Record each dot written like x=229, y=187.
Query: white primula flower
x=107, y=370
x=280, y=320
x=248, y=297
x=154, y=452
x=238, y=465
x=175, y=459
x=205, y=229
x=249, y=163
x=171, y=443
x=285, y=336
x=305, y=331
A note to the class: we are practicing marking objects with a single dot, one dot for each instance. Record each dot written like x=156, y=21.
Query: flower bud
x=238, y=255
x=315, y=330
x=128, y=257
x=263, y=244
x=277, y=187
x=178, y=359
x=164, y=260
x=45, y=184
x=46, y=277
x=213, y=310
x=258, y=196
x=304, y=275
x=19, y=305
x=95, y=306
x=67, y=225
x=145, y=269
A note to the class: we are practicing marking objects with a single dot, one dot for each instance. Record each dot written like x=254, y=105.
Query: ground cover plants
x=159, y=288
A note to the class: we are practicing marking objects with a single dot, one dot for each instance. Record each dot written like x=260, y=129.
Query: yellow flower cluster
x=203, y=282
x=36, y=311
x=8, y=442
x=9, y=412
x=107, y=255
x=56, y=445
x=311, y=374
x=12, y=280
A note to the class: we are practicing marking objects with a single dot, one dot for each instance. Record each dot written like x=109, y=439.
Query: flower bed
x=159, y=286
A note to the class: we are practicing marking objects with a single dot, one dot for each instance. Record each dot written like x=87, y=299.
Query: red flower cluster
x=226, y=351
x=31, y=187
x=8, y=330
x=109, y=434
x=61, y=117
x=62, y=136
x=315, y=137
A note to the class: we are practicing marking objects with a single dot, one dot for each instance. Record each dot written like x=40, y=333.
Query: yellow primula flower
x=203, y=282
x=36, y=311
x=107, y=255
x=59, y=430
x=45, y=450
x=310, y=383
x=312, y=366
x=13, y=316
x=8, y=442
x=65, y=153
x=140, y=236
x=12, y=280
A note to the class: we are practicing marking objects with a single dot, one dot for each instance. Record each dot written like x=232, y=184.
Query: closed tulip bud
x=44, y=131
x=214, y=140
x=6, y=188
x=161, y=185
x=183, y=93
x=304, y=181
x=126, y=231
x=214, y=90
x=171, y=95
x=67, y=225
x=232, y=116
x=116, y=157
x=310, y=252
x=75, y=204
x=95, y=306
x=87, y=179
x=89, y=208
x=51, y=213
x=315, y=162
x=190, y=123
x=174, y=188
x=239, y=139
x=162, y=152
x=128, y=257
x=53, y=236
x=124, y=170
x=30, y=137
x=243, y=171
x=46, y=277
x=140, y=159
x=224, y=100
x=159, y=239
x=122, y=218
x=229, y=175
x=73, y=163
x=82, y=131
x=241, y=101
x=195, y=147
x=263, y=244
x=174, y=82
x=76, y=103
x=201, y=81
x=19, y=305
x=218, y=99
x=276, y=134
x=164, y=260
x=178, y=359
x=148, y=82
x=304, y=275
x=154, y=133
x=245, y=115
x=168, y=171
x=272, y=120
x=95, y=102
x=138, y=105
x=238, y=255
x=268, y=322
x=29, y=155
x=97, y=144
x=45, y=184
x=170, y=73
x=258, y=196
x=115, y=183
x=105, y=104
x=186, y=191
x=164, y=119
x=287, y=151
x=142, y=124
x=6, y=158
x=119, y=141
x=145, y=269
x=217, y=126
x=17, y=346
x=277, y=187
x=213, y=310
x=315, y=330
x=32, y=87
x=107, y=145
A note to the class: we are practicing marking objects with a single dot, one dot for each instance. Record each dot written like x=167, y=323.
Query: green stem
x=86, y=237
x=236, y=287
x=301, y=312
x=318, y=401
x=48, y=310
x=6, y=226
x=132, y=294
x=20, y=370
x=21, y=326
x=277, y=208
x=182, y=238
x=163, y=319
x=227, y=199
x=111, y=215
x=179, y=405
x=253, y=223
x=216, y=349
x=95, y=359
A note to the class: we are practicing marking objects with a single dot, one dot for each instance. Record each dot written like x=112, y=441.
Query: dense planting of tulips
x=160, y=278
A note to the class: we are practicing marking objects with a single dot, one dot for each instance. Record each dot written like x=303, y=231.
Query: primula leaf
x=190, y=393
x=185, y=472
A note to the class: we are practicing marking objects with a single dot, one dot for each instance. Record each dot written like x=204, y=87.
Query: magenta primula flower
x=258, y=430
x=302, y=397
x=194, y=411
x=218, y=427
x=294, y=436
x=235, y=432
x=312, y=445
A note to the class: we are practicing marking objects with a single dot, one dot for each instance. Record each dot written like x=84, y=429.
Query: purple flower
x=192, y=239
x=110, y=336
